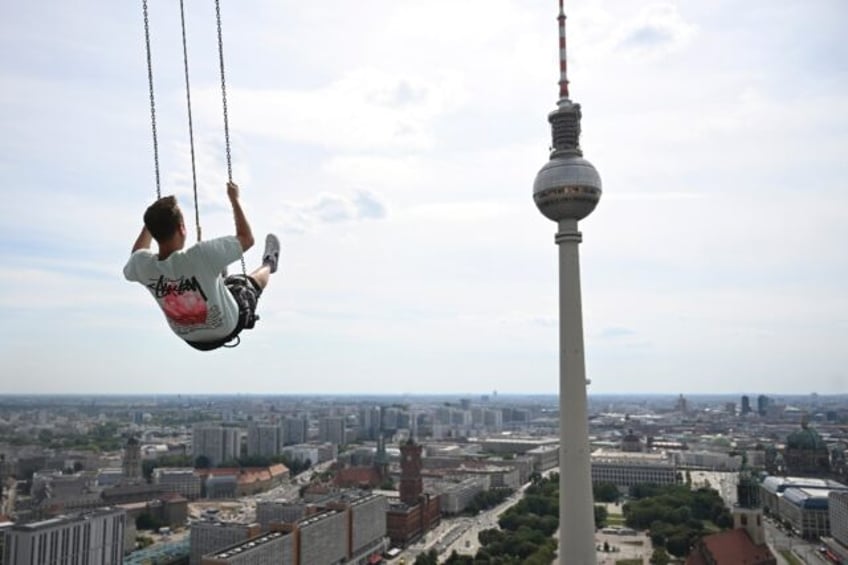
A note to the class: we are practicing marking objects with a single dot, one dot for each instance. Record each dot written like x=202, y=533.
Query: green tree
x=146, y=521
x=254, y=461
x=678, y=544
x=605, y=492
x=724, y=520
x=147, y=467
x=660, y=557
x=600, y=516
x=429, y=558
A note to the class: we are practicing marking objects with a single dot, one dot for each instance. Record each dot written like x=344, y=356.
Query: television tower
x=566, y=190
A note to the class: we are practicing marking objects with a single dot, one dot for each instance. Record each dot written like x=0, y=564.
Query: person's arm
x=142, y=241
x=243, y=231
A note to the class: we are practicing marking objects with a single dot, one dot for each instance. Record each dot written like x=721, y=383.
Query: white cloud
x=366, y=109
x=659, y=28
x=331, y=209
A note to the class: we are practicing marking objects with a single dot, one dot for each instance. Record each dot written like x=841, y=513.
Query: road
x=458, y=534
x=778, y=540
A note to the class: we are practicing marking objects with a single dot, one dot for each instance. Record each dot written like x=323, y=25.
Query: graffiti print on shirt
x=185, y=304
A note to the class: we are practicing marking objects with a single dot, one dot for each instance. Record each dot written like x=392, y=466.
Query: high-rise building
x=763, y=402
x=370, y=422
x=279, y=511
x=394, y=418
x=566, y=190
x=323, y=538
x=217, y=443
x=746, y=405
x=332, y=430
x=209, y=536
x=92, y=538
x=263, y=440
x=838, y=509
x=295, y=430
x=277, y=548
x=367, y=524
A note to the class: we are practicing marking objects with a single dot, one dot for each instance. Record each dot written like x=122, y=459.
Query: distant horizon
x=464, y=395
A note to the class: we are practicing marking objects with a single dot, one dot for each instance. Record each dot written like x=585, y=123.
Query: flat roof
x=248, y=545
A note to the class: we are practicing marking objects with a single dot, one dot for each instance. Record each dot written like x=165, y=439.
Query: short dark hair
x=163, y=218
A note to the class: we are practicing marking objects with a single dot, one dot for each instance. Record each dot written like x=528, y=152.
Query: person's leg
x=262, y=275
x=270, y=259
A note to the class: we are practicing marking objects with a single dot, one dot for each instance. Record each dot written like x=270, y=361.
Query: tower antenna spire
x=563, y=60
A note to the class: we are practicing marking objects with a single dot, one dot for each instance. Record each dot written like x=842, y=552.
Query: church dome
x=805, y=438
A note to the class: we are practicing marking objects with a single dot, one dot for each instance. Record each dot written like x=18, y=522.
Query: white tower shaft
x=576, y=512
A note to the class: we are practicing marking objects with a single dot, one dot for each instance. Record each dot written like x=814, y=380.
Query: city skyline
x=410, y=262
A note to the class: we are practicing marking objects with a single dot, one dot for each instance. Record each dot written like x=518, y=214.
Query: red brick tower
x=411, y=484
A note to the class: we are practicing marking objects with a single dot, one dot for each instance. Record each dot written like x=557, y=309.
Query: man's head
x=164, y=220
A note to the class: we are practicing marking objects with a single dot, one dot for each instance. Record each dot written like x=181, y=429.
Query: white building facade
x=627, y=469
x=93, y=538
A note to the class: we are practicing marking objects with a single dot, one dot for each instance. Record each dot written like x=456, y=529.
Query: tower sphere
x=567, y=187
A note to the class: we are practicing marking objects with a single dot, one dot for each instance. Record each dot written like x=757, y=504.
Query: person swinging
x=201, y=306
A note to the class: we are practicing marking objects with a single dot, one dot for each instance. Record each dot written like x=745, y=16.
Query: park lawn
x=615, y=519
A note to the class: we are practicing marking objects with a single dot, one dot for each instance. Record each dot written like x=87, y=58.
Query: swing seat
x=246, y=293
x=212, y=345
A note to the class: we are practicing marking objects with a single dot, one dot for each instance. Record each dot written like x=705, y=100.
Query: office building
x=455, y=497
x=263, y=440
x=332, y=430
x=216, y=443
x=773, y=488
x=91, y=538
x=271, y=548
x=208, y=536
x=278, y=512
x=295, y=430
x=182, y=481
x=322, y=538
x=627, y=469
x=838, y=506
x=370, y=422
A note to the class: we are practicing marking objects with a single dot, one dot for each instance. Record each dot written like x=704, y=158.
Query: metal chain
x=190, y=122
x=152, y=99
x=224, y=105
x=224, y=91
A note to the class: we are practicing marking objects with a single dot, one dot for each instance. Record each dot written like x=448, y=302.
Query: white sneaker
x=271, y=256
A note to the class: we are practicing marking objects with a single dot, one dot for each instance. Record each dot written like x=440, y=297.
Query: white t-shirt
x=189, y=288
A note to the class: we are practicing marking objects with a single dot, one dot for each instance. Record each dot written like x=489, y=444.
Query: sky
x=392, y=145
